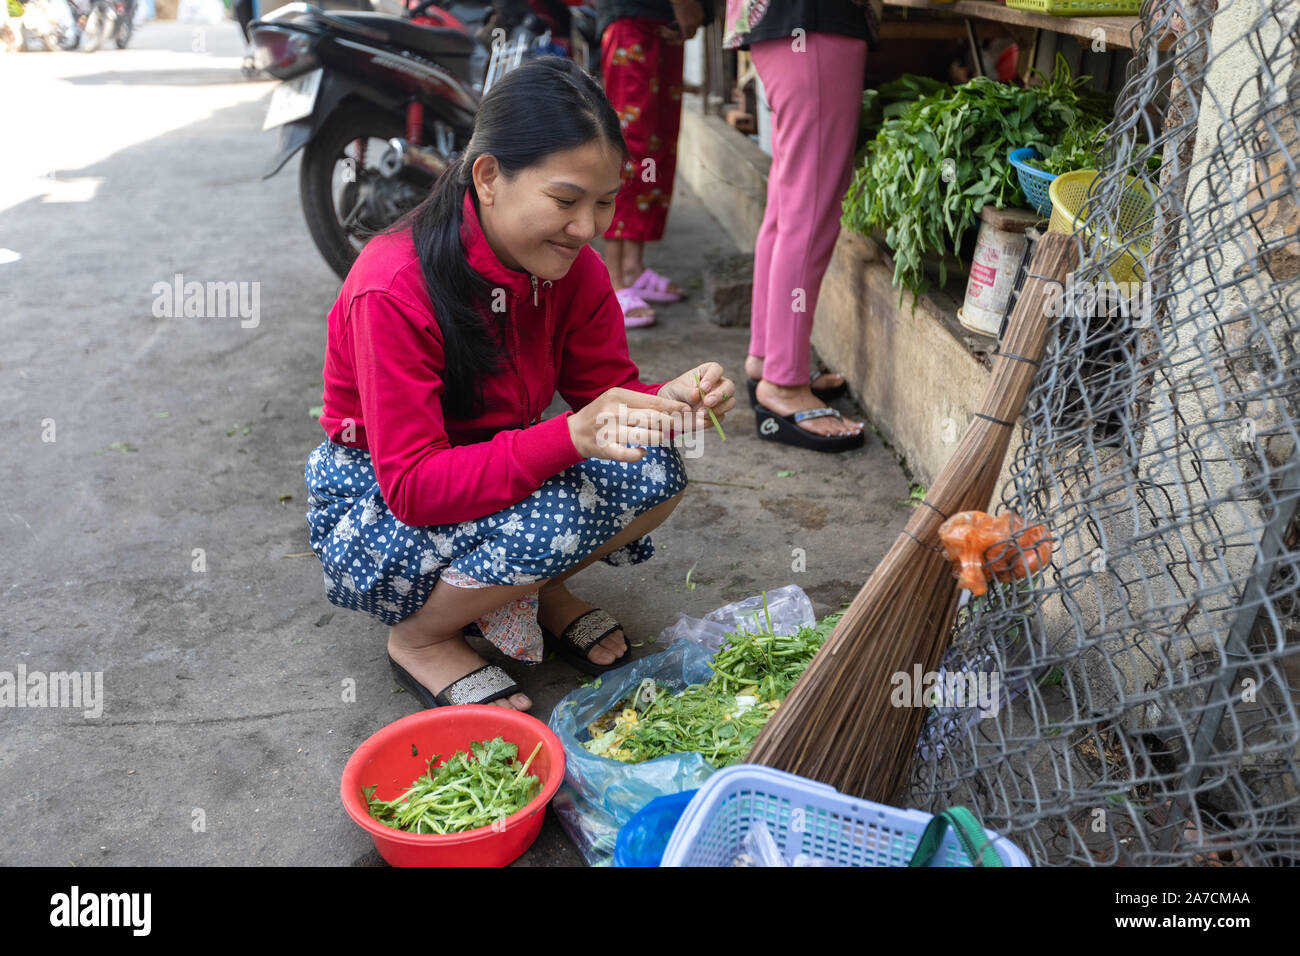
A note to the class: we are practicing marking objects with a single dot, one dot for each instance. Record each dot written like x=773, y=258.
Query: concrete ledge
x=726, y=169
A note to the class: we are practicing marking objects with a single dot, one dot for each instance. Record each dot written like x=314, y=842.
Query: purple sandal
x=654, y=287
x=629, y=300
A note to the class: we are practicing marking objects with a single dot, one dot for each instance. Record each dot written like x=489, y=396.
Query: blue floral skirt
x=376, y=564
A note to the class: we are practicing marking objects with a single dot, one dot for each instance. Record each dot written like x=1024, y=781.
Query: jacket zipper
x=514, y=327
x=514, y=361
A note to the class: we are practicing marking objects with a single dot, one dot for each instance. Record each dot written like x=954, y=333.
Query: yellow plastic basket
x=1079, y=8
x=1070, y=195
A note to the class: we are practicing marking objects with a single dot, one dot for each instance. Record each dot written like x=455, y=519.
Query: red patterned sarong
x=643, y=80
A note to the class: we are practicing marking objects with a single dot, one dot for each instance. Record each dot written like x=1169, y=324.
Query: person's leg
x=817, y=149
x=429, y=643
x=558, y=607
x=628, y=73
x=664, y=114
x=758, y=311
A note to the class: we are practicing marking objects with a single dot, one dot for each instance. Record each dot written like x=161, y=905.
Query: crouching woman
x=440, y=500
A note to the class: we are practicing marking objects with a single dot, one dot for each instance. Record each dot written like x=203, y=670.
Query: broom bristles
x=837, y=725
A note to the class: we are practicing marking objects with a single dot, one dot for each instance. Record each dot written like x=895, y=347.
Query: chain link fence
x=1148, y=680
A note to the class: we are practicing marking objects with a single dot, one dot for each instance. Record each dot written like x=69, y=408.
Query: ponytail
x=458, y=293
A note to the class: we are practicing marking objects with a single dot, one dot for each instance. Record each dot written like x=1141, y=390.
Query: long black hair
x=545, y=106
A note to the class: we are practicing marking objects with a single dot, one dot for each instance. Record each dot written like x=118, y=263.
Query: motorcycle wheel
x=97, y=27
x=343, y=211
x=124, y=34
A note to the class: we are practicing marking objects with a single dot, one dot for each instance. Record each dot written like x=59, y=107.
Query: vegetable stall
x=969, y=112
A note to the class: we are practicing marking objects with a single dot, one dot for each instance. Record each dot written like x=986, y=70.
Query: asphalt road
x=151, y=513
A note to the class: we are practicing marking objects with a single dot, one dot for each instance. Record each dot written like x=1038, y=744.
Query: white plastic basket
x=806, y=817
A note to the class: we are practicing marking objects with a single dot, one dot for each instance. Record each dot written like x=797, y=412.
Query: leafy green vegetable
x=932, y=168
x=1082, y=147
x=720, y=719
x=889, y=100
x=462, y=794
x=1078, y=148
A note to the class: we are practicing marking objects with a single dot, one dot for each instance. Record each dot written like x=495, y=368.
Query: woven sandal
x=482, y=686
x=582, y=634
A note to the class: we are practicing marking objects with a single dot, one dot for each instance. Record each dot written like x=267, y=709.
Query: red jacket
x=384, y=364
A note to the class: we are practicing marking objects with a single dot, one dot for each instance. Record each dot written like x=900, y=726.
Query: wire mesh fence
x=1149, y=679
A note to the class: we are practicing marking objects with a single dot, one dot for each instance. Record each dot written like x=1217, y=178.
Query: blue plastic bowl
x=643, y=839
x=1033, y=182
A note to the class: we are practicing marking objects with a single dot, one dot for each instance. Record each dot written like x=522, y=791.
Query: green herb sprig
x=713, y=417
x=462, y=794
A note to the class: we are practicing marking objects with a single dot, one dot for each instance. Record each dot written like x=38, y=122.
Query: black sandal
x=481, y=686
x=582, y=634
x=773, y=426
x=825, y=394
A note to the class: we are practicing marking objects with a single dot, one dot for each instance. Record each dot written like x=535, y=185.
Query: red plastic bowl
x=385, y=760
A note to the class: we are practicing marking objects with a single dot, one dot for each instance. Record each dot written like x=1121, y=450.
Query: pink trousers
x=815, y=96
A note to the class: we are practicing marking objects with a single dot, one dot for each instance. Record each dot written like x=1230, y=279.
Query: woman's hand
x=620, y=417
x=711, y=390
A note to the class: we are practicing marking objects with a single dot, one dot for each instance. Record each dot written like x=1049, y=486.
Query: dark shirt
x=607, y=11
x=783, y=17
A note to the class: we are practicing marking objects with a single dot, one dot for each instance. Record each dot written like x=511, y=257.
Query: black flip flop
x=773, y=426
x=825, y=394
x=481, y=686
x=579, y=638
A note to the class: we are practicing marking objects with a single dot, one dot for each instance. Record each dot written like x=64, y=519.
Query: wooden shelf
x=1118, y=31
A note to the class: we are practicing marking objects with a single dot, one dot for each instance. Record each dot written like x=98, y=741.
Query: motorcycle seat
x=435, y=42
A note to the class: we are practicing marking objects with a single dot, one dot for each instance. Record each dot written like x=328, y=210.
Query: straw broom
x=837, y=725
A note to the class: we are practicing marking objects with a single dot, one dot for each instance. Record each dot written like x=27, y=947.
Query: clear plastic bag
x=788, y=607
x=761, y=849
x=600, y=794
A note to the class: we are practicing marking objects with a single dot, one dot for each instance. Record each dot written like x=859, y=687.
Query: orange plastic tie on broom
x=983, y=546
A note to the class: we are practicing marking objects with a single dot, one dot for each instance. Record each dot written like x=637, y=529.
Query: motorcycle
x=52, y=23
x=109, y=20
x=379, y=105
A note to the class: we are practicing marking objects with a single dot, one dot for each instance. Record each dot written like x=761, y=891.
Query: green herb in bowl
x=462, y=794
